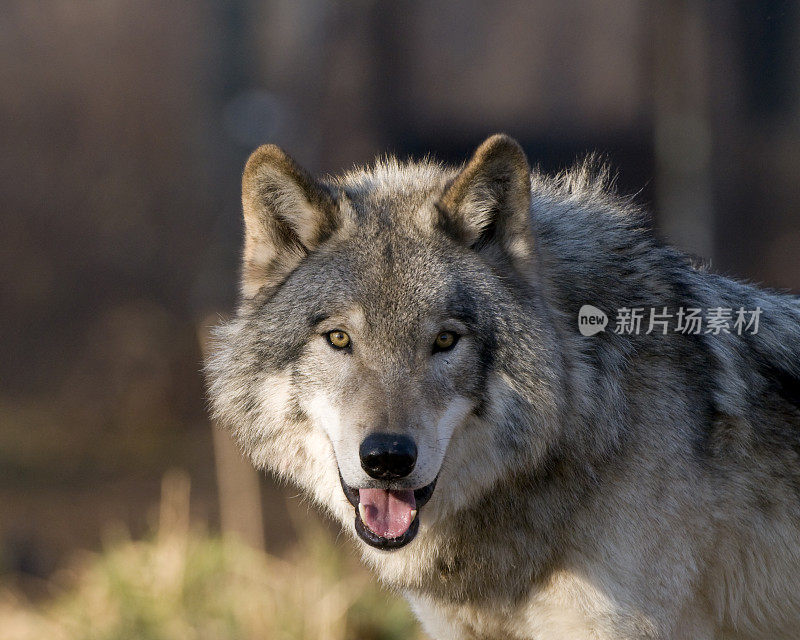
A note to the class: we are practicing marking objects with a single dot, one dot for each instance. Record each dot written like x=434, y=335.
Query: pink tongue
x=387, y=513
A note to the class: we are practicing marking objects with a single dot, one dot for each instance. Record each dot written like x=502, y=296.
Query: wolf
x=408, y=350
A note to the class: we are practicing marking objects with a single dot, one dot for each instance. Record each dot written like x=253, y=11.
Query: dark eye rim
x=438, y=349
x=347, y=347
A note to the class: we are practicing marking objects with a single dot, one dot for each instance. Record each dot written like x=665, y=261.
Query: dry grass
x=183, y=584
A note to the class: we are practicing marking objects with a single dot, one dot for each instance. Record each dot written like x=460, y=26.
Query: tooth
x=362, y=512
x=413, y=514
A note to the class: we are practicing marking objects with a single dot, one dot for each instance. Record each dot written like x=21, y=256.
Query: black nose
x=388, y=456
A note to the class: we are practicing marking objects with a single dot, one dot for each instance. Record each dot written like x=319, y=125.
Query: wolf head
x=388, y=351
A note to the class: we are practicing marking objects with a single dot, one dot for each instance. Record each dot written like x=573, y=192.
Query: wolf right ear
x=287, y=213
x=487, y=205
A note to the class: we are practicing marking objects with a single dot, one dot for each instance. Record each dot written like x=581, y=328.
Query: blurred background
x=124, y=127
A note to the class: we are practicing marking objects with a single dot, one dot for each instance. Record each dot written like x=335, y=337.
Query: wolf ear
x=287, y=213
x=488, y=203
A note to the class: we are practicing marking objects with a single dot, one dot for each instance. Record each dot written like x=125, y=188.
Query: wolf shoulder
x=595, y=247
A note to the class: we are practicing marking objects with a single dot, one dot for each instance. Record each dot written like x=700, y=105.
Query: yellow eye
x=444, y=341
x=338, y=339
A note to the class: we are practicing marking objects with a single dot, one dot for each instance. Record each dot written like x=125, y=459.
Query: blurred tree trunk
x=681, y=125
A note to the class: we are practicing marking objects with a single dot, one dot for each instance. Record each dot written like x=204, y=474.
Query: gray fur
x=613, y=486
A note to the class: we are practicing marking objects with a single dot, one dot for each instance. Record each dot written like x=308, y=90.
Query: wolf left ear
x=488, y=203
x=287, y=214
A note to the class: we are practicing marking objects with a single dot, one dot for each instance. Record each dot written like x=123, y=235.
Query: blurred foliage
x=180, y=583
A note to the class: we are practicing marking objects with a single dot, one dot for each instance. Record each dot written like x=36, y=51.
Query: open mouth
x=387, y=518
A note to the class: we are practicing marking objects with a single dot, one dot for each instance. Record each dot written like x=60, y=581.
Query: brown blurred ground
x=124, y=126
